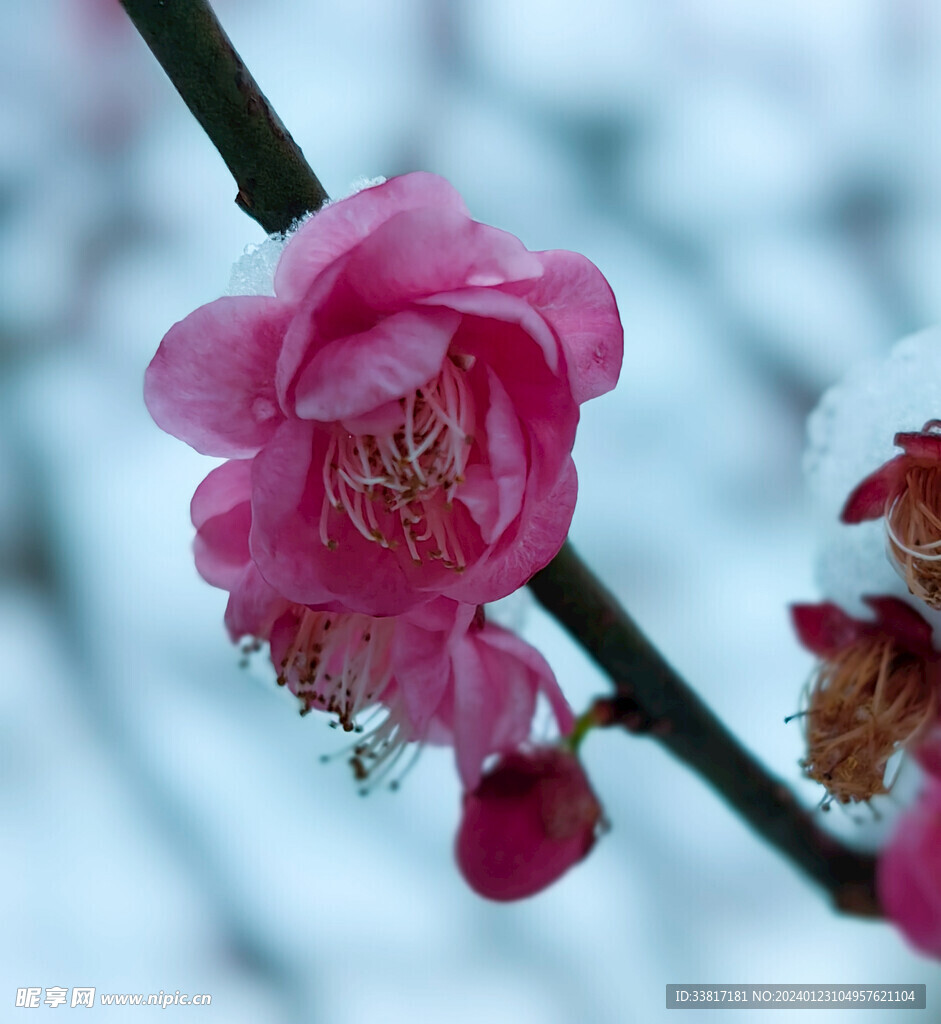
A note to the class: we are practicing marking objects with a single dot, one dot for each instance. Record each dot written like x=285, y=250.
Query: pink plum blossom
x=409, y=395
x=442, y=674
x=874, y=691
x=908, y=874
x=532, y=817
x=906, y=490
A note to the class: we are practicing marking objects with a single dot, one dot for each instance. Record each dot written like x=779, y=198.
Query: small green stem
x=585, y=722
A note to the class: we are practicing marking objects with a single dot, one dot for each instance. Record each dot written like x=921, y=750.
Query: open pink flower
x=441, y=673
x=532, y=817
x=410, y=396
x=907, y=491
x=908, y=873
x=876, y=690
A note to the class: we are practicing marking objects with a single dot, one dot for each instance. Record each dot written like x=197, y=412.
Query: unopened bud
x=532, y=817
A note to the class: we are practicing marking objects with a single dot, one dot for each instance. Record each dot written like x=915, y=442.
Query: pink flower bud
x=533, y=816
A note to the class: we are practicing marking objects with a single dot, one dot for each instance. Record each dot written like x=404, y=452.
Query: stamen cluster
x=864, y=704
x=875, y=692
x=336, y=663
x=411, y=472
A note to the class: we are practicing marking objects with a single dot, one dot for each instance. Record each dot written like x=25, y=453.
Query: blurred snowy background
x=761, y=185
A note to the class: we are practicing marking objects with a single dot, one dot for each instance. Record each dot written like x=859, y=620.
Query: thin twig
x=275, y=187
x=276, y=184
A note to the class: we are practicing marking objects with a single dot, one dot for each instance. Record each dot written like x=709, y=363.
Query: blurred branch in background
x=276, y=186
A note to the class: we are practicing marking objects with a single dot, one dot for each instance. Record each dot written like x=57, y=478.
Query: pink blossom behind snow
x=906, y=491
x=872, y=497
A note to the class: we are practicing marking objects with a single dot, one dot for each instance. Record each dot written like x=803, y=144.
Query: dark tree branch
x=652, y=698
x=275, y=187
x=276, y=184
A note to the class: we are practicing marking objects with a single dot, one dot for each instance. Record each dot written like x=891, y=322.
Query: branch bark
x=276, y=186
x=652, y=698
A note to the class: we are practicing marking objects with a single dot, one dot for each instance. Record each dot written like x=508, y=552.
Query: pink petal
x=443, y=615
x=868, y=499
x=900, y=621
x=422, y=665
x=221, y=546
x=475, y=711
x=225, y=487
x=383, y=419
x=493, y=493
x=514, y=694
x=542, y=400
x=281, y=533
x=491, y=304
x=253, y=606
x=520, y=553
x=497, y=678
x=422, y=252
x=340, y=226
x=478, y=494
x=211, y=382
x=305, y=333
x=578, y=303
x=221, y=512
x=923, y=446
x=908, y=875
x=824, y=628
x=541, y=676
x=351, y=376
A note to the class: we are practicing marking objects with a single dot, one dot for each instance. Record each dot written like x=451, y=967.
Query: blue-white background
x=760, y=182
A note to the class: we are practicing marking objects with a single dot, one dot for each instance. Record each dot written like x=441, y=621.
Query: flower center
x=408, y=474
x=913, y=525
x=864, y=704
x=338, y=663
